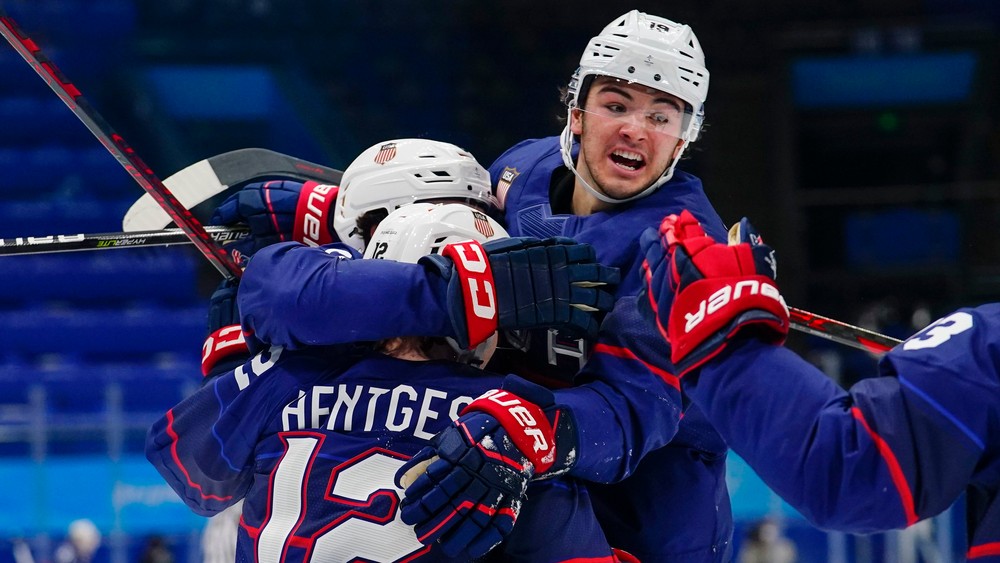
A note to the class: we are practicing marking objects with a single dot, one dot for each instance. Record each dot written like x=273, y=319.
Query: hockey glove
x=704, y=293
x=278, y=211
x=524, y=283
x=469, y=497
x=225, y=347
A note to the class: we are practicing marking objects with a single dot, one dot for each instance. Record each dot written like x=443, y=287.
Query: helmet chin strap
x=566, y=144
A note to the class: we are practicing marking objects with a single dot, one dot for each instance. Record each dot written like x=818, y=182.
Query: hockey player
x=312, y=439
x=884, y=454
x=636, y=102
x=414, y=170
x=389, y=175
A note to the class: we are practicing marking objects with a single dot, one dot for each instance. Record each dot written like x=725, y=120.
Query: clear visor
x=667, y=121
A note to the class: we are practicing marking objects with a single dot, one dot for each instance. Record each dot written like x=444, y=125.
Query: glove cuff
x=525, y=423
x=224, y=343
x=474, y=280
x=720, y=307
x=314, y=214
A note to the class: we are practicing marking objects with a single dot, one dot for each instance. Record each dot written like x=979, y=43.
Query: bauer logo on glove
x=705, y=292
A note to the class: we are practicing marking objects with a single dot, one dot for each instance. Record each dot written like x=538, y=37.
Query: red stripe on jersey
x=180, y=465
x=619, y=352
x=895, y=470
x=648, y=275
x=984, y=550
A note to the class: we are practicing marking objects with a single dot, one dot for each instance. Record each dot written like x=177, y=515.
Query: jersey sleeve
x=293, y=295
x=628, y=402
x=204, y=446
x=890, y=451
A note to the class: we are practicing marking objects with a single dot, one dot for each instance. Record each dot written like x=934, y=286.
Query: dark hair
x=368, y=221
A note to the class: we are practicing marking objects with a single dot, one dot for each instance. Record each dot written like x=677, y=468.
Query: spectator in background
x=82, y=541
x=156, y=551
x=766, y=544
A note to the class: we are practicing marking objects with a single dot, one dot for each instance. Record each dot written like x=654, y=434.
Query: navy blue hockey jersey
x=313, y=439
x=630, y=407
x=629, y=373
x=889, y=451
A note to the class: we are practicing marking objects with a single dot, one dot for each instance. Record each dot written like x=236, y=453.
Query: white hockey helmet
x=419, y=229
x=651, y=51
x=391, y=174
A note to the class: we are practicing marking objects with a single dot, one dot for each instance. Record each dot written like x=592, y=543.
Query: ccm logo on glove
x=478, y=295
x=473, y=261
x=313, y=212
x=726, y=294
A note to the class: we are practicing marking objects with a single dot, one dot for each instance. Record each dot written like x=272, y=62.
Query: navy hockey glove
x=703, y=292
x=279, y=211
x=469, y=497
x=523, y=283
x=225, y=346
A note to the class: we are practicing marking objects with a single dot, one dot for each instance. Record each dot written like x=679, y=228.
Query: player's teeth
x=629, y=155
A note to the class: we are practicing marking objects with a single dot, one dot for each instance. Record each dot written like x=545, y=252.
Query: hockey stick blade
x=841, y=332
x=117, y=146
x=107, y=241
x=198, y=185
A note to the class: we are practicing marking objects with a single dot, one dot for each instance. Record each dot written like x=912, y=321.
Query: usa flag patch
x=483, y=224
x=503, y=184
x=386, y=153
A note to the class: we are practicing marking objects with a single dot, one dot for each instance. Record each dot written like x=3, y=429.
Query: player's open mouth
x=628, y=160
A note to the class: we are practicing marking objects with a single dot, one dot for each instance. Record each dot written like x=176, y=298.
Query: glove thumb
x=763, y=255
x=227, y=213
x=675, y=229
x=415, y=467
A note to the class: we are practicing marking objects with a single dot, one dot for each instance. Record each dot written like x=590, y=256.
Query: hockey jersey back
x=313, y=440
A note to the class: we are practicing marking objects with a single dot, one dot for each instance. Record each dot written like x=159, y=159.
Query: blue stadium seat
x=16, y=178
x=103, y=176
x=60, y=216
x=22, y=119
x=36, y=119
x=108, y=334
x=163, y=275
x=52, y=164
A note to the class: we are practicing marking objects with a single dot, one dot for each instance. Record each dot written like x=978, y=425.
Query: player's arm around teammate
x=885, y=453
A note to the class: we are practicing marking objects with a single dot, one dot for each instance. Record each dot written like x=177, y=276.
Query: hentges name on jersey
x=362, y=408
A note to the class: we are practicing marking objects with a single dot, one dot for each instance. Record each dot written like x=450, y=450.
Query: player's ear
x=677, y=150
x=576, y=121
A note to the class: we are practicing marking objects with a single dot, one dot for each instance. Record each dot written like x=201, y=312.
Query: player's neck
x=410, y=356
x=584, y=202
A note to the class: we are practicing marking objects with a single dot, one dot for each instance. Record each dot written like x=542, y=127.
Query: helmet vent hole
x=631, y=70
x=656, y=77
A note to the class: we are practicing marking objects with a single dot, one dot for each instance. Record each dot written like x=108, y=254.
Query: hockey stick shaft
x=117, y=146
x=105, y=241
x=841, y=332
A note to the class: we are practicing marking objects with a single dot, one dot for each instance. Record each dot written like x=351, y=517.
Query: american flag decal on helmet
x=386, y=153
x=483, y=224
x=503, y=184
